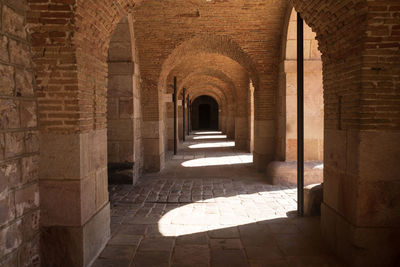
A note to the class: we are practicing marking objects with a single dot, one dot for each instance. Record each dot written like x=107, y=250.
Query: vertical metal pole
x=175, y=122
x=188, y=114
x=184, y=113
x=300, y=116
x=191, y=114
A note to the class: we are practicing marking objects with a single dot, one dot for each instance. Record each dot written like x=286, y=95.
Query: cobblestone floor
x=208, y=207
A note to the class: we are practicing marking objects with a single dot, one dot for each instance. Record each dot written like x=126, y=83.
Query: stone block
x=120, y=51
x=13, y=23
x=97, y=149
x=120, y=130
x=26, y=199
x=120, y=33
x=76, y=246
x=260, y=161
x=30, y=225
x=31, y=141
x=30, y=169
x=115, y=68
x=113, y=151
x=101, y=188
x=29, y=254
x=11, y=260
x=112, y=108
x=264, y=128
x=385, y=148
x=28, y=114
x=10, y=176
x=285, y=173
x=19, y=54
x=120, y=86
x=335, y=148
x=2, y=146
x=55, y=165
x=7, y=207
x=313, y=195
x=14, y=144
x=151, y=129
x=9, y=114
x=56, y=194
x=4, y=56
x=24, y=83
x=339, y=192
x=152, y=163
x=264, y=145
x=7, y=80
x=126, y=108
x=10, y=238
x=88, y=198
x=126, y=151
x=96, y=233
x=378, y=204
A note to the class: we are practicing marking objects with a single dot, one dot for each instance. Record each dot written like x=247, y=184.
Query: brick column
x=72, y=83
x=361, y=205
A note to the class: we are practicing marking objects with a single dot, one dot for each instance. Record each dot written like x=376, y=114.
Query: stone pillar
x=241, y=133
x=153, y=147
x=73, y=188
x=264, y=143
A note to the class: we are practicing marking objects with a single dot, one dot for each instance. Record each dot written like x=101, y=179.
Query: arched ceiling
x=213, y=71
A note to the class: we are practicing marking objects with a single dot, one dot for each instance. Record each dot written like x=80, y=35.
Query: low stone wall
x=285, y=172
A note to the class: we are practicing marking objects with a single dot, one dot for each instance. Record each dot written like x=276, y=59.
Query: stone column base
x=360, y=246
x=76, y=245
x=261, y=161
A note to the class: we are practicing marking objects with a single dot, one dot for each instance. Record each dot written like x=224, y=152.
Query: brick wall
x=19, y=191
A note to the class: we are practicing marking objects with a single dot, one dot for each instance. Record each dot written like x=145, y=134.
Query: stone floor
x=208, y=207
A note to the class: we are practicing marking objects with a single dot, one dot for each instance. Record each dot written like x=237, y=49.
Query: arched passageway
x=54, y=92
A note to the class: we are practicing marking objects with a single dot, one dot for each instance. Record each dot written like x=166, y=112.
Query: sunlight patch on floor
x=218, y=161
x=215, y=214
x=202, y=137
x=208, y=133
x=212, y=145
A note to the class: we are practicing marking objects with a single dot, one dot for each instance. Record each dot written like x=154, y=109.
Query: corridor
x=208, y=207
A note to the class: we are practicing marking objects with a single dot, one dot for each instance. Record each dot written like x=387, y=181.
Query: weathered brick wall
x=19, y=191
x=54, y=57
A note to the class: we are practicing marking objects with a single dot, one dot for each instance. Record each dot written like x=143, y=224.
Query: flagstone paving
x=215, y=214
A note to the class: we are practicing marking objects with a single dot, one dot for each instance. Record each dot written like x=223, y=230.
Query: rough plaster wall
x=19, y=146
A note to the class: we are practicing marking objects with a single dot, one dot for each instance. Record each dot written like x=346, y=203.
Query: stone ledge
x=285, y=173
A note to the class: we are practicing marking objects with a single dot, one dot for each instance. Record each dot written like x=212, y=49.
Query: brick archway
x=70, y=44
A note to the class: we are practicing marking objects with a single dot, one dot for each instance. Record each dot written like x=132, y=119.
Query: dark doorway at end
x=205, y=113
